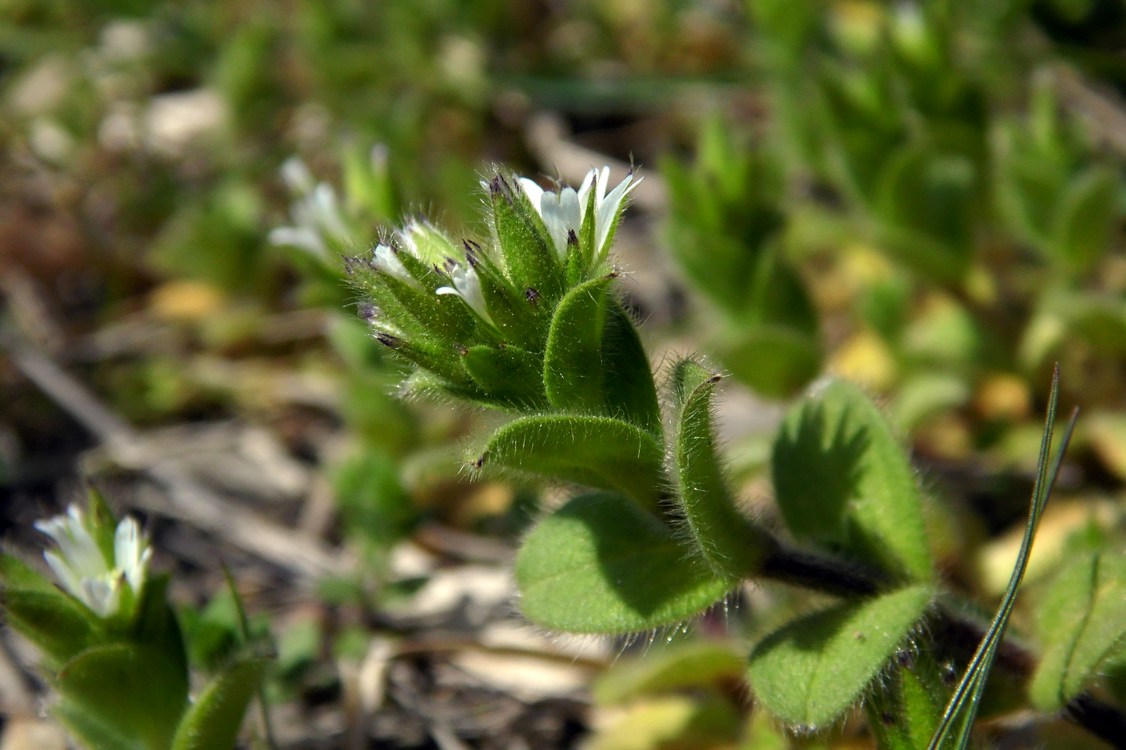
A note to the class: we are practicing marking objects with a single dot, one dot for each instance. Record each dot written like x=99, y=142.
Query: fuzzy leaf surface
x=728, y=541
x=600, y=564
x=598, y=452
x=573, y=370
x=810, y=671
x=1082, y=624
x=131, y=688
x=213, y=721
x=843, y=481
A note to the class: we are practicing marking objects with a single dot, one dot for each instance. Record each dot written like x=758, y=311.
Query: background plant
x=139, y=260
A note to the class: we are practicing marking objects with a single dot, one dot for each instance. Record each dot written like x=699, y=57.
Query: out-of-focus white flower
x=467, y=285
x=315, y=212
x=564, y=212
x=84, y=570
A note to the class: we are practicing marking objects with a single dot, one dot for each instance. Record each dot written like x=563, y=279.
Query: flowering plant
x=527, y=321
x=112, y=644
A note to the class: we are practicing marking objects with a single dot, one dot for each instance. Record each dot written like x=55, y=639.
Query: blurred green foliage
x=923, y=196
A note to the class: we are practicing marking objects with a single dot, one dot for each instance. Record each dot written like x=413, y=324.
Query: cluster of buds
x=476, y=317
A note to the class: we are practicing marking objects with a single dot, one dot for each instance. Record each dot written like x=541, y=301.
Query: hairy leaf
x=728, y=541
x=813, y=669
x=601, y=564
x=213, y=721
x=1082, y=623
x=599, y=452
x=842, y=480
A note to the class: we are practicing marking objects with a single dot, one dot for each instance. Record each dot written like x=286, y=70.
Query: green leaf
x=1082, y=623
x=600, y=564
x=599, y=452
x=774, y=360
x=727, y=540
x=19, y=576
x=51, y=620
x=573, y=370
x=213, y=721
x=130, y=688
x=1085, y=218
x=813, y=669
x=684, y=664
x=842, y=480
x=92, y=731
x=628, y=387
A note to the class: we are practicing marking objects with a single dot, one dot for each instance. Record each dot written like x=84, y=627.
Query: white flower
x=315, y=212
x=386, y=260
x=564, y=212
x=84, y=570
x=467, y=285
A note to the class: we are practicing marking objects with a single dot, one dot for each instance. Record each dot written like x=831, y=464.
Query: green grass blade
x=963, y=706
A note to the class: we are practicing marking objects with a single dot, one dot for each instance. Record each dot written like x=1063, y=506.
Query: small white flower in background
x=315, y=212
x=467, y=285
x=83, y=569
x=564, y=212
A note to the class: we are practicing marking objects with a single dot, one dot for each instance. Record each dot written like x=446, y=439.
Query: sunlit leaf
x=601, y=564
x=810, y=671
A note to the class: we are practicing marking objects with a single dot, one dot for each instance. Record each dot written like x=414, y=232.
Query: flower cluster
x=475, y=317
x=94, y=575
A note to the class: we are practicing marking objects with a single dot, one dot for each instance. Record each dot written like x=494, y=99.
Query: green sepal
x=842, y=481
x=813, y=669
x=573, y=370
x=156, y=626
x=101, y=522
x=131, y=689
x=1082, y=624
x=727, y=540
x=519, y=319
x=213, y=721
x=429, y=355
x=506, y=373
x=529, y=256
x=441, y=317
x=600, y=564
x=1085, y=218
x=599, y=452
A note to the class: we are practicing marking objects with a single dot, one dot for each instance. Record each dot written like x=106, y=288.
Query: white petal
x=130, y=553
x=101, y=595
x=386, y=260
x=70, y=580
x=555, y=219
x=533, y=191
x=302, y=237
x=608, y=211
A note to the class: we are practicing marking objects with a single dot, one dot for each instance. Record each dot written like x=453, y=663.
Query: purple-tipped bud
x=367, y=311
x=572, y=238
x=532, y=295
x=391, y=342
